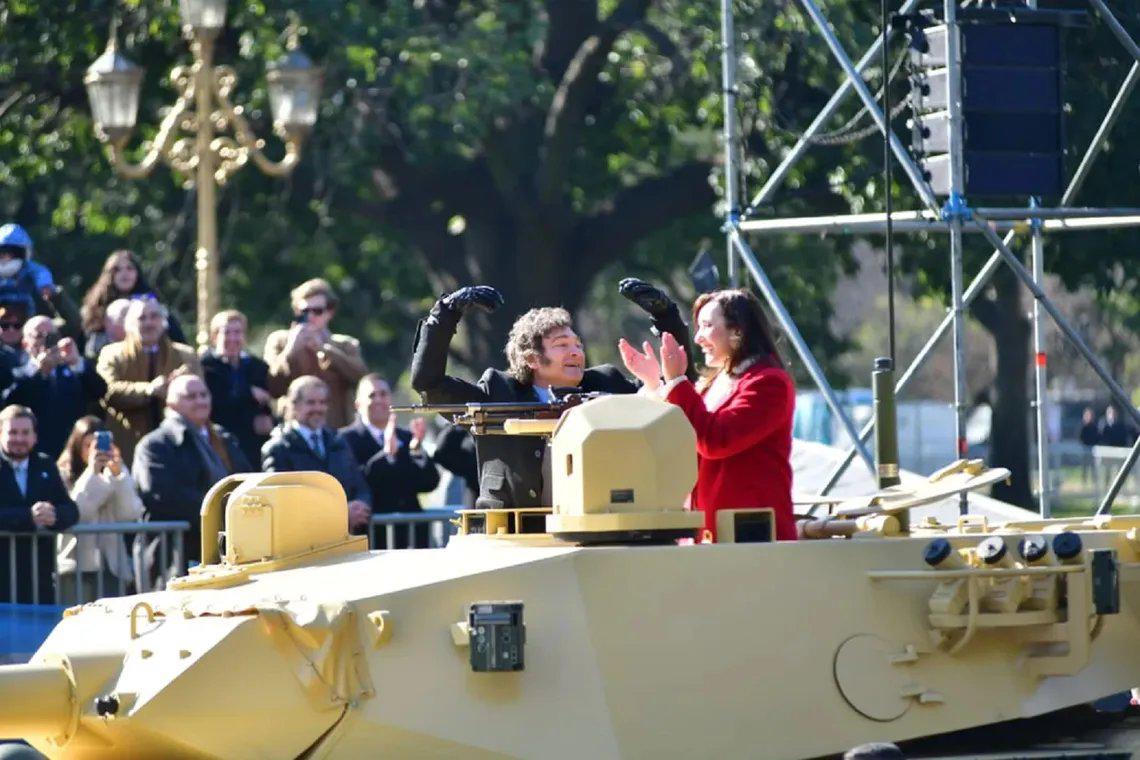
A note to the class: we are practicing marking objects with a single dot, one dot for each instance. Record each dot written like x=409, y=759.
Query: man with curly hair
x=545, y=359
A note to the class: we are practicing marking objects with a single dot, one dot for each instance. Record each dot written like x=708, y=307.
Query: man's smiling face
x=563, y=359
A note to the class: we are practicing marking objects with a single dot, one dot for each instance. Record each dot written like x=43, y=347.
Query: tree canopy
x=531, y=145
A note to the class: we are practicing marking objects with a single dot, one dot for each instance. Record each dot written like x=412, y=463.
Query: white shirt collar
x=306, y=431
x=377, y=433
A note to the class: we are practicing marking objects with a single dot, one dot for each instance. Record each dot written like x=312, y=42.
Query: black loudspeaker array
x=1013, y=135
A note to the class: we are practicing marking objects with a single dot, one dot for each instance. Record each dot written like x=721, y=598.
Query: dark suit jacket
x=173, y=478
x=58, y=400
x=233, y=404
x=455, y=452
x=287, y=451
x=510, y=466
x=393, y=482
x=44, y=484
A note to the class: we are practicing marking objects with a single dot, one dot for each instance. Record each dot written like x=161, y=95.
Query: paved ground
x=1076, y=733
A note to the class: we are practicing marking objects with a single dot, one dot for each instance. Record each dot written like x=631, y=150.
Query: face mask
x=10, y=267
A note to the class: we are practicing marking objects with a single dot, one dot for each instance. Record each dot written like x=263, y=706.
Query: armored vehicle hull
x=780, y=650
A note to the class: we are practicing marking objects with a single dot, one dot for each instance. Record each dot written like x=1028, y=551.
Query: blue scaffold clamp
x=1036, y=224
x=733, y=221
x=956, y=208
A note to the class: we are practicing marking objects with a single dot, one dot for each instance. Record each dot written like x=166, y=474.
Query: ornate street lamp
x=204, y=135
x=113, y=85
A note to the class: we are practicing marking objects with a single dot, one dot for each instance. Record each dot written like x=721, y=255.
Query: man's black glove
x=482, y=297
x=651, y=299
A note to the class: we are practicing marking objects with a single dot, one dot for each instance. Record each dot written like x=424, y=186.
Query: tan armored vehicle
x=585, y=630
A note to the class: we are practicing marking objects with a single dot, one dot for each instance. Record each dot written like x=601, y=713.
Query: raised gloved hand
x=482, y=297
x=650, y=298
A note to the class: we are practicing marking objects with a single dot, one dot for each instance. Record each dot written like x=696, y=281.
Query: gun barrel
x=529, y=427
x=497, y=407
x=38, y=700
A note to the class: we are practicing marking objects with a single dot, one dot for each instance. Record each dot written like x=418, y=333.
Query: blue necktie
x=21, y=470
x=315, y=437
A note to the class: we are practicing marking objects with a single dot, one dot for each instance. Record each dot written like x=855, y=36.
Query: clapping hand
x=481, y=297
x=674, y=359
x=641, y=364
x=391, y=440
x=419, y=429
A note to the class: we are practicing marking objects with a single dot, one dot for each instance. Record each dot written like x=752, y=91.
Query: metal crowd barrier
x=171, y=554
x=438, y=528
x=1106, y=460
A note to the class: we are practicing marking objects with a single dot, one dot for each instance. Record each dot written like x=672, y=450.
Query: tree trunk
x=1005, y=319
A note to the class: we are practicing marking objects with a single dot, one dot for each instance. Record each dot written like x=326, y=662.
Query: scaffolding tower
x=954, y=218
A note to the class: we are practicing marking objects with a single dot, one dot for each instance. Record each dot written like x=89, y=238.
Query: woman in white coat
x=102, y=488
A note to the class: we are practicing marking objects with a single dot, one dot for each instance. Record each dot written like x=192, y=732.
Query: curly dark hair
x=525, y=339
x=103, y=292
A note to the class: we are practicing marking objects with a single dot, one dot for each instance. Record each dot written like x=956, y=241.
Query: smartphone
x=52, y=339
x=103, y=440
x=302, y=318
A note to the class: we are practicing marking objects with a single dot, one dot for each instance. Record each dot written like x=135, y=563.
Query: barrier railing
x=430, y=528
x=1106, y=460
x=21, y=555
x=28, y=572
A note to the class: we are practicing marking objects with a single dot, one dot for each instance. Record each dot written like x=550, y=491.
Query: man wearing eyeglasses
x=309, y=347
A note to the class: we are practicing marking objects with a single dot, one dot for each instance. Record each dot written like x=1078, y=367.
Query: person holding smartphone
x=102, y=488
x=309, y=347
x=55, y=382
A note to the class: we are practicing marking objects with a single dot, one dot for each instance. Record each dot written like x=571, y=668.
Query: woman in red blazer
x=741, y=411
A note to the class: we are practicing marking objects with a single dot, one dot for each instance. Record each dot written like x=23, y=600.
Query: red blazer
x=744, y=446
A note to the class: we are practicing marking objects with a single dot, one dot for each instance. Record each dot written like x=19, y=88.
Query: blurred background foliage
x=548, y=147
x=455, y=144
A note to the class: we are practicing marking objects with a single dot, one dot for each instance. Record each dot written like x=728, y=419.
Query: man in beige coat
x=310, y=348
x=138, y=370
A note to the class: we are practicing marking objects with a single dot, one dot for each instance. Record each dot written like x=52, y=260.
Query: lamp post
x=203, y=135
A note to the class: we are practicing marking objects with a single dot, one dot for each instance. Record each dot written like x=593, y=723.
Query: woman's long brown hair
x=100, y=295
x=70, y=461
x=744, y=316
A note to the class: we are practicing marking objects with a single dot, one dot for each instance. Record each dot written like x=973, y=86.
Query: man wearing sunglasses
x=13, y=316
x=309, y=347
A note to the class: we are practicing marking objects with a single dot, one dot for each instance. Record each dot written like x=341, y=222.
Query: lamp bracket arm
x=245, y=145
x=159, y=148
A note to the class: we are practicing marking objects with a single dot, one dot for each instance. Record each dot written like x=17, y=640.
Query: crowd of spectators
x=110, y=416
x=1109, y=429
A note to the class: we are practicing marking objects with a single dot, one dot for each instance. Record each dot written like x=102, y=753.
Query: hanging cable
x=887, y=181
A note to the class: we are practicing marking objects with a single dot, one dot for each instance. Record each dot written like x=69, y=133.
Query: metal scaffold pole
x=956, y=206
x=1040, y=370
x=731, y=175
